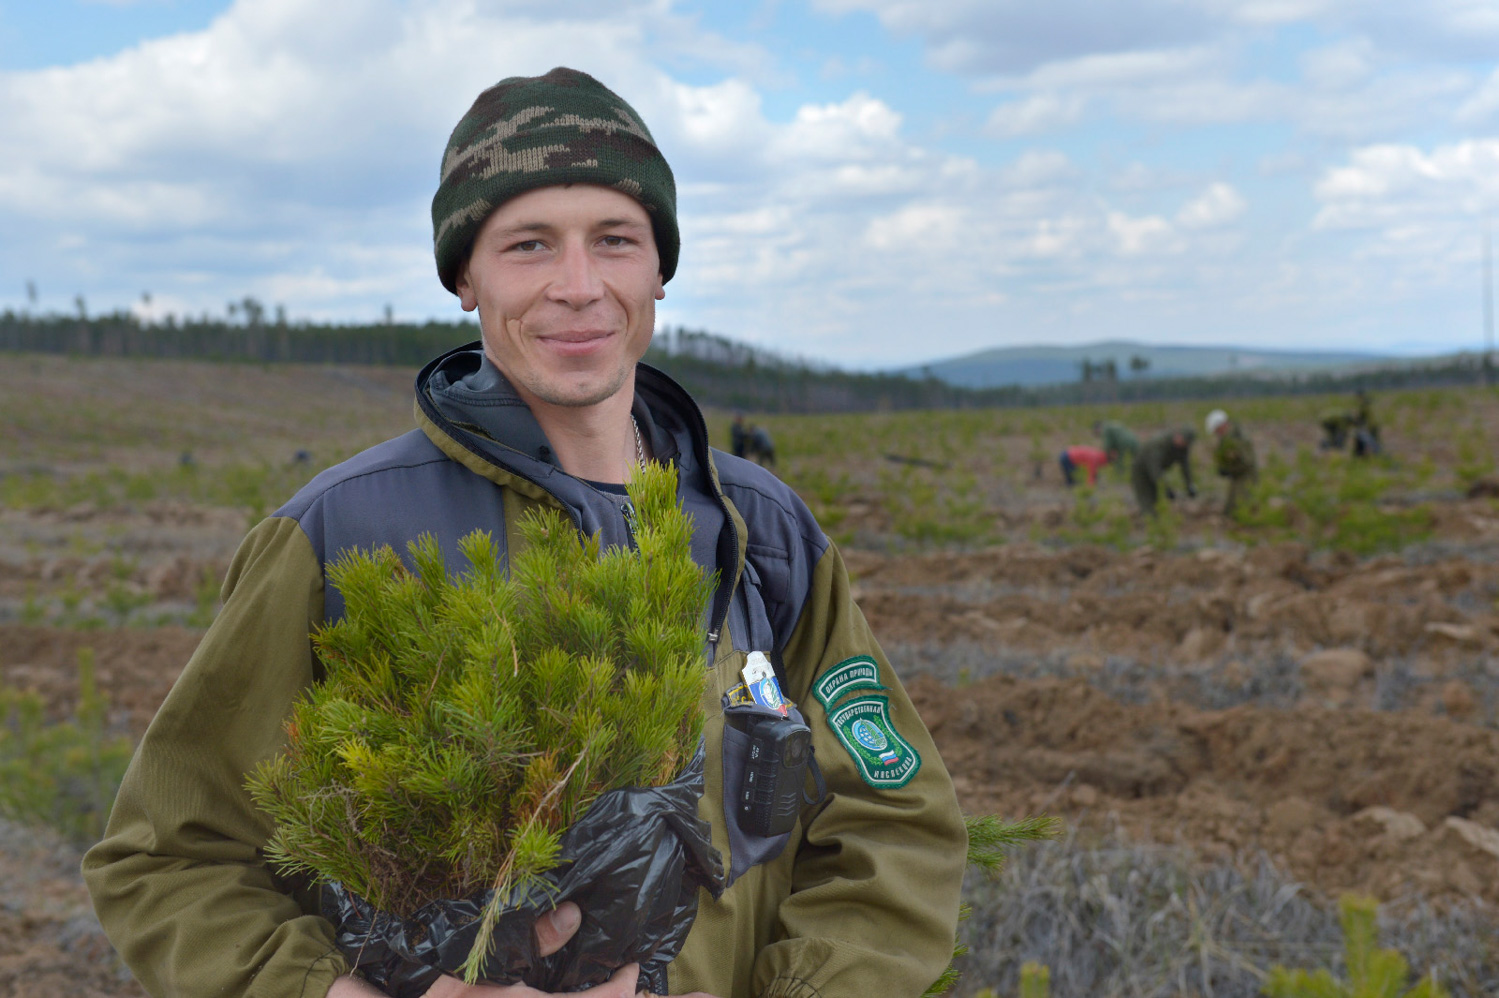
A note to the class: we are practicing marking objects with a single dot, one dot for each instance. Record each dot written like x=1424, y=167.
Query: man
x=762, y=448
x=738, y=436
x=1365, y=428
x=1335, y=424
x=555, y=220
x=1159, y=455
x=1119, y=443
x=1082, y=456
x=1233, y=457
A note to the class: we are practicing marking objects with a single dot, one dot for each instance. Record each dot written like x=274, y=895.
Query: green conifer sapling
x=463, y=723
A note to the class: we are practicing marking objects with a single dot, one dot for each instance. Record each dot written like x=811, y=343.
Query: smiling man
x=555, y=220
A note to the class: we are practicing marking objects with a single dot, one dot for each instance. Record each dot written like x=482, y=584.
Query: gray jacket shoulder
x=391, y=494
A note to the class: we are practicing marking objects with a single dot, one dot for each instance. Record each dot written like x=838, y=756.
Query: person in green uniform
x=555, y=220
x=1233, y=457
x=1119, y=443
x=1158, y=455
x=1365, y=428
x=1335, y=424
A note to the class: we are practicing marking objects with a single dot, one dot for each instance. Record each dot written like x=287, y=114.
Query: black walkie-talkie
x=775, y=773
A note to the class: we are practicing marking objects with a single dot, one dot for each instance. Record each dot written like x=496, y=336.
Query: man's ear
x=660, y=288
x=466, y=296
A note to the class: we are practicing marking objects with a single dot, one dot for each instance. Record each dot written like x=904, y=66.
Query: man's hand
x=621, y=985
x=553, y=930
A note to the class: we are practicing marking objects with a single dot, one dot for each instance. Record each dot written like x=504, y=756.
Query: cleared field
x=1231, y=715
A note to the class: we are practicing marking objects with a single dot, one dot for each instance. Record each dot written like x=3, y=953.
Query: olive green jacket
x=1233, y=454
x=860, y=899
x=1118, y=441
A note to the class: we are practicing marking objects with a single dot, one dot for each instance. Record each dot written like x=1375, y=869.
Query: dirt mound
x=50, y=943
x=1344, y=799
x=1210, y=605
x=134, y=668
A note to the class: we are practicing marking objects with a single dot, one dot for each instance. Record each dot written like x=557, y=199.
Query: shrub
x=464, y=724
x=62, y=774
x=1372, y=972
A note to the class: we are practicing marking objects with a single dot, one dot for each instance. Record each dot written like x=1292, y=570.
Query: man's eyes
x=528, y=246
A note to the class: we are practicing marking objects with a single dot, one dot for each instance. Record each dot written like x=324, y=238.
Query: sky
x=863, y=182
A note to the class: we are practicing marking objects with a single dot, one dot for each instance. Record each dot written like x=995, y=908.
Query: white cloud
x=1216, y=206
x=1483, y=104
x=917, y=227
x=1140, y=235
x=1039, y=168
x=1341, y=65
x=1419, y=210
x=857, y=128
x=1459, y=177
x=1037, y=113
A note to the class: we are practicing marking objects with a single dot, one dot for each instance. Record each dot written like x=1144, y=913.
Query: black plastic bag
x=633, y=864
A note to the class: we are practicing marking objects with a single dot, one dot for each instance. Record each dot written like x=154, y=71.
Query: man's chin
x=579, y=395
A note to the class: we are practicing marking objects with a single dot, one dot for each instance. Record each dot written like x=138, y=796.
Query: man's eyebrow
x=603, y=223
x=520, y=227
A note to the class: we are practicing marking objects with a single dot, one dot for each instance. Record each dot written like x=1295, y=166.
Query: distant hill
x=727, y=374
x=1049, y=365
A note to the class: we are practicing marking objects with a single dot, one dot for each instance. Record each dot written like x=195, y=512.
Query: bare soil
x=1339, y=714
x=1340, y=794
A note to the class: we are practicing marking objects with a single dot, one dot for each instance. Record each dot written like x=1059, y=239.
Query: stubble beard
x=581, y=398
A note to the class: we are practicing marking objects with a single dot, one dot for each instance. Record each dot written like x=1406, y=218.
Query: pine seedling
x=989, y=840
x=1035, y=980
x=1372, y=972
x=465, y=722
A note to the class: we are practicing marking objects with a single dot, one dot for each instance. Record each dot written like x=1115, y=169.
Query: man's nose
x=576, y=282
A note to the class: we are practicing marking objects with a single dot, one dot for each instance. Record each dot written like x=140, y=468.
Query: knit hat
x=535, y=131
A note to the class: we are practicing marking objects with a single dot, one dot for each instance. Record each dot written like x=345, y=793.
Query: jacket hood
x=468, y=402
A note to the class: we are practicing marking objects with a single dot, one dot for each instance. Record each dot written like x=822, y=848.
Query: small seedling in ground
x=61, y=774
x=989, y=841
x=1372, y=972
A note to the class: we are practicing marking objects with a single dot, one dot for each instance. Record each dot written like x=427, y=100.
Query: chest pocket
x=744, y=774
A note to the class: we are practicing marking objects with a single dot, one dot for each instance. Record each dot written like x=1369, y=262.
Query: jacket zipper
x=721, y=600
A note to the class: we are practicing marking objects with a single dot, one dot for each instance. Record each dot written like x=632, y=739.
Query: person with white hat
x=1233, y=457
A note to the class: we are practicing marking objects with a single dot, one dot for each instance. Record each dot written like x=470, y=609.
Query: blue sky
x=870, y=182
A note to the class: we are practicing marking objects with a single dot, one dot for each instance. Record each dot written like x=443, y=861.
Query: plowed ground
x=1187, y=698
x=1339, y=714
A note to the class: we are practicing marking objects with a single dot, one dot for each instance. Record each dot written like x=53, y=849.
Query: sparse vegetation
x=104, y=486
x=1372, y=972
x=61, y=773
x=1113, y=918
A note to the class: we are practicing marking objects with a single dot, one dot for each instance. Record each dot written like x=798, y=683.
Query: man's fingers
x=556, y=927
x=621, y=985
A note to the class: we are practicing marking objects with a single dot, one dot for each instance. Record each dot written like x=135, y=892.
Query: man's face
x=565, y=280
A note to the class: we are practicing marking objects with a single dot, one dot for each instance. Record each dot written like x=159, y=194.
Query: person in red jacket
x=1082, y=456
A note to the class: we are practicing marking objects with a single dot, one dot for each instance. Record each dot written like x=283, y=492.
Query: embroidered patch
x=885, y=759
x=857, y=673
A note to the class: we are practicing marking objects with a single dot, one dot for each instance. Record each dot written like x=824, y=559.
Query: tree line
x=718, y=371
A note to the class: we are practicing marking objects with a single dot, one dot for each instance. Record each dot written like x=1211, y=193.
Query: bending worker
x=1233, y=457
x=1082, y=456
x=1159, y=454
x=1119, y=443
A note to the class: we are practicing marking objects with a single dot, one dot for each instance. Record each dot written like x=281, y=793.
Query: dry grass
x=1118, y=919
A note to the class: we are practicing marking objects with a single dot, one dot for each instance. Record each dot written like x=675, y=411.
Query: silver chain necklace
x=639, y=444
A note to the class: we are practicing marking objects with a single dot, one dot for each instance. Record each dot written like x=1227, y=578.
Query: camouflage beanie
x=535, y=131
